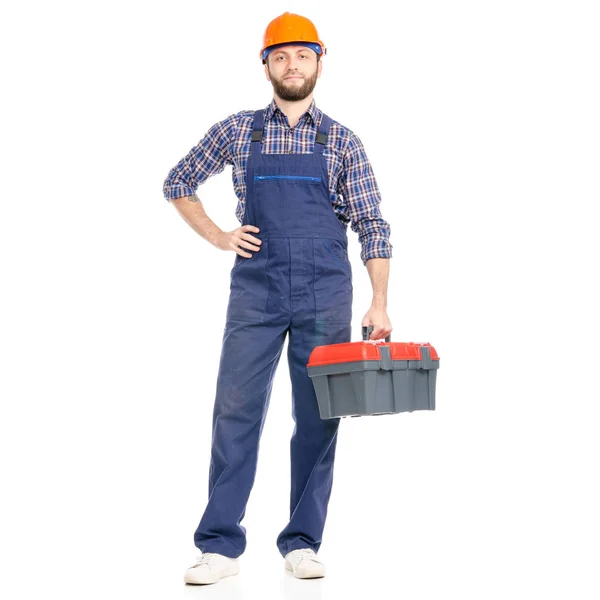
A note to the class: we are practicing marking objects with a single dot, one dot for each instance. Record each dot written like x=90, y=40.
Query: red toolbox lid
x=410, y=351
x=341, y=353
x=360, y=351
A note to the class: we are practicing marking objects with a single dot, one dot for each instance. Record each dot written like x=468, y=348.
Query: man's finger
x=234, y=246
x=248, y=245
x=378, y=333
x=251, y=238
x=243, y=254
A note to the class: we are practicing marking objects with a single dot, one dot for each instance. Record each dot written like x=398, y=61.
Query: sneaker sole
x=189, y=577
x=288, y=566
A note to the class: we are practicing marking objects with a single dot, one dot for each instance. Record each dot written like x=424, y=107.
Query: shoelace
x=205, y=559
x=308, y=554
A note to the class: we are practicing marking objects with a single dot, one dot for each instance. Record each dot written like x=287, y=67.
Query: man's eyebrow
x=282, y=51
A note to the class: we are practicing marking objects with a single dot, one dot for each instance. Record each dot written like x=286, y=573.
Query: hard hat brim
x=315, y=46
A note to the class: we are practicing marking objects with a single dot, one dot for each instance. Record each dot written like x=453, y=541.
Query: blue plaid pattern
x=353, y=189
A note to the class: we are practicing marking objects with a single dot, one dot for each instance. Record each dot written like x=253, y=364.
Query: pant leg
x=249, y=358
x=313, y=443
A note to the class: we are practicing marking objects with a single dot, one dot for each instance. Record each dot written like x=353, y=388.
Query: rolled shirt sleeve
x=361, y=196
x=209, y=157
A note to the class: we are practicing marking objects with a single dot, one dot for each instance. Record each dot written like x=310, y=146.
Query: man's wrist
x=379, y=302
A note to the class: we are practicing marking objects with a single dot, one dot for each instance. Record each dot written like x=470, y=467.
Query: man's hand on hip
x=238, y=239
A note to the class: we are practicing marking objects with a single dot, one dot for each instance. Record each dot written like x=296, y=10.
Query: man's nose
x=293, y=64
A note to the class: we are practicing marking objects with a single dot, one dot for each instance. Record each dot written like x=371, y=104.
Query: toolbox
x=373, y=378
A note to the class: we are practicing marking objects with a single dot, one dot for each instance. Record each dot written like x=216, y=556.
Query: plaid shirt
x=352, y=187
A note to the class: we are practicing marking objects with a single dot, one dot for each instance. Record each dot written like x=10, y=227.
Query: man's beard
x=294, y=93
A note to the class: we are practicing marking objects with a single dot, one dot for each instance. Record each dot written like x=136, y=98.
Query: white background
x=481, y=122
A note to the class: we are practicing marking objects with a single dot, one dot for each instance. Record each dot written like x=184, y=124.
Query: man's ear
x=267, y=72
x=319, y=68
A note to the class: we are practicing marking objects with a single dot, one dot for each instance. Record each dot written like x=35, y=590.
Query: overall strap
x=322, y=135
x=257, y=132
x=258, y=126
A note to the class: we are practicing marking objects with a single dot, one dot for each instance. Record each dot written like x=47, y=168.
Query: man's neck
x=293, y=110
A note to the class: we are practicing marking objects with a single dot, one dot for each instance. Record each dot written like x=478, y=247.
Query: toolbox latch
x=386, y=363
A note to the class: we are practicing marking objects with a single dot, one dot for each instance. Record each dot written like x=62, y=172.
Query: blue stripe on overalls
x=299, y=283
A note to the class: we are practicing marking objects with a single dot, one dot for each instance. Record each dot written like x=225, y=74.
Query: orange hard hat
x=288, y=28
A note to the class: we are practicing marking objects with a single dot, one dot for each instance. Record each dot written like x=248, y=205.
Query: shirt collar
x=312, y=111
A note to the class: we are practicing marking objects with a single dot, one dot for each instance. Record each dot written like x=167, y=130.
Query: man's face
x=293, y=72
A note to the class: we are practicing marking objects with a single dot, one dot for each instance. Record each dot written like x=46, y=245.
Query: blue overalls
x=298, y=283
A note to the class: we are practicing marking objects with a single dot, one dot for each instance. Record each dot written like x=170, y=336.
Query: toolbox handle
x=366, y=332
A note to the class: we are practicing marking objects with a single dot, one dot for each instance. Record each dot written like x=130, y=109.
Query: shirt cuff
x=177, y=191
x=378, y=249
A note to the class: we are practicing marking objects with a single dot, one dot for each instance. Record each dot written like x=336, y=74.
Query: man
x=300, y=179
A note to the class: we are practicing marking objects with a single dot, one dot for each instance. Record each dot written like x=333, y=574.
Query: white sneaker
x=210, y=567
x=304, y=564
